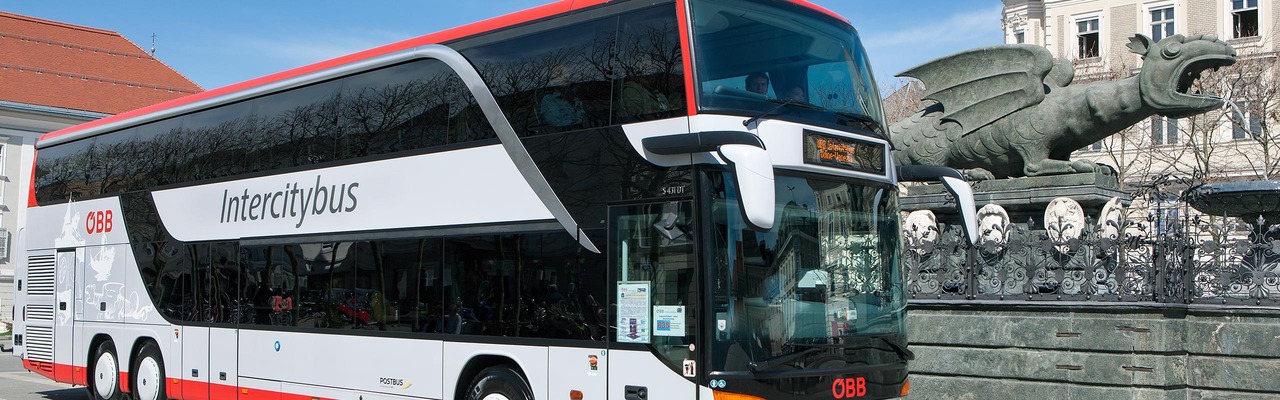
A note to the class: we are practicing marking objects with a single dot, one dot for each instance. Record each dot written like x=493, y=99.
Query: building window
x=1161, y=23
x=1244, y=18
x=1164, y=130
x=1247, y=124
x=1019, y=37
x=1087, y=38
x=1168, y=220
x=1096, y=146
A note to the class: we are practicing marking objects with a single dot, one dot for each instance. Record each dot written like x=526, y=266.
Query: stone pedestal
x=1024, y=198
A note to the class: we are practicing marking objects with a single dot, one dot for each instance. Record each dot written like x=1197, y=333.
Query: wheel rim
x=495, y=396
x=105, y=375
x=148, y=379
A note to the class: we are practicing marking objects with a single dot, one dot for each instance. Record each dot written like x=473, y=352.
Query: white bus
x=648, y=199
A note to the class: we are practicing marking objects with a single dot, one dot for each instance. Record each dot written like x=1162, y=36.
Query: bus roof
x=516, y=18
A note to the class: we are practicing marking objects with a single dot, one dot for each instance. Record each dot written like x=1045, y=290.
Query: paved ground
x=19, y=384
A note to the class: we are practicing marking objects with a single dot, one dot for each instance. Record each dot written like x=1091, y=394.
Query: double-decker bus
x=645, y=199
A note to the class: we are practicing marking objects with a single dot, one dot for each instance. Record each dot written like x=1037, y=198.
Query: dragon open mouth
x=1190, y=72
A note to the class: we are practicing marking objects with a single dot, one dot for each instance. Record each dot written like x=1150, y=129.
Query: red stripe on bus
x=36, y=366
x=64, y=373
x=519, y=17
x=80, y=376
x=682, y=22
x=185, y=389
x=174, y=388
x=822, y=9
x=31, y=189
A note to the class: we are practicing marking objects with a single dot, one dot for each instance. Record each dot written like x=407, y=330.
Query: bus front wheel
x=499, y=383
x=148, y=374
x=104, y=378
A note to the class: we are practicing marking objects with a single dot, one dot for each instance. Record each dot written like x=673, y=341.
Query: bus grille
x=40, y=312
x=40, y=275
x=39, y=341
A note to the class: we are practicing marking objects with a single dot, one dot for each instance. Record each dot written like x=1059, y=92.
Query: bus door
x=655, y=312
x=195, y=310
x=223, y=336
x=64, y=308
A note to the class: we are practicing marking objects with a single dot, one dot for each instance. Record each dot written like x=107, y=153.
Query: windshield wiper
x=902, y=352
x=779, y=105
x=867, y=122
x=752, y=120
x=757, y=366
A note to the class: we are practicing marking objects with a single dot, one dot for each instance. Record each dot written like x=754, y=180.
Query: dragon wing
x=979, y=86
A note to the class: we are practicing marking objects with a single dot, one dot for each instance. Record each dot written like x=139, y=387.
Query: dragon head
x=1171, y=65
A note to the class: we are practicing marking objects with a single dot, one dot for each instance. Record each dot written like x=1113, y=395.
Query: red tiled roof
x=61, y=65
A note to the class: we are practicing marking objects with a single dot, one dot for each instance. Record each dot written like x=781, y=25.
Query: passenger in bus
x=450, y=322
x=553, y=294
x=638, y=101
x=558, y=111
x=758, y=83
x=797, y=94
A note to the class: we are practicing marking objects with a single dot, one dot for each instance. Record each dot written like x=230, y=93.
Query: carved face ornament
x=1170, y=68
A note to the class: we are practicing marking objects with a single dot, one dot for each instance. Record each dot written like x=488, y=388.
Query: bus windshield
x=789, y=62
x=827, y=274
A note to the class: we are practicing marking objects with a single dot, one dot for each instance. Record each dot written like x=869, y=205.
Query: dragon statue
x=1010, y=110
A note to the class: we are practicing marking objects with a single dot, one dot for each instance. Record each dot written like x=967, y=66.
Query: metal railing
x=1185, y=259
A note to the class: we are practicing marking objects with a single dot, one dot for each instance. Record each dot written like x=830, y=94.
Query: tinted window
x=226, y=306
x=180, y=283
x=373, y=285
x=554, y=80
x=62, y=172
x=649, y=66
x=789, y=60
x=528, y=285
x=291, y=123
x=163, y=151
x=215, y=141
x=405, y=107
x=275, y=282
x=406, y=279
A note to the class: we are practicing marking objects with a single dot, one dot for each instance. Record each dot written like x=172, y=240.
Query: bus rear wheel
x=499, y=383
x=104, y=374
x=148, y=374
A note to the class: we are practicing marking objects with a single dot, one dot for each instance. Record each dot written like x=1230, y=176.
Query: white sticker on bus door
x=668, y=320
x=633, y=312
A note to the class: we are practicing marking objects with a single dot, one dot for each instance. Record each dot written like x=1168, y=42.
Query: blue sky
x=218, y=43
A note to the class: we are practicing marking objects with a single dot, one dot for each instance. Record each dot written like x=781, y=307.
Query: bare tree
x=905, y=97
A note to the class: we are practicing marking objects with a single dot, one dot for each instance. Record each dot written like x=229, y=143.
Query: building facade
x=1235, y=143
x=55, y=75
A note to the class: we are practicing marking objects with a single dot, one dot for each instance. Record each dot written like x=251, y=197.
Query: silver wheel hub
x=106, y=375
x=495, y=396
x=148, y=379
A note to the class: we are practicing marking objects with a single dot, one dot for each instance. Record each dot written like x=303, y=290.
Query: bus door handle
x=637, y=393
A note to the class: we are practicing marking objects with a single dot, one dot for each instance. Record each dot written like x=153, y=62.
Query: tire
x=147, y=377
x=104, y=373
x=499, y=383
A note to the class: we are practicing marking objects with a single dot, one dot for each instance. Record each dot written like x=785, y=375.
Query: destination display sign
x=841, y=152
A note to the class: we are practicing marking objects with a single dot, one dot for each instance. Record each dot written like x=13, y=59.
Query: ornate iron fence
x=1166, y=257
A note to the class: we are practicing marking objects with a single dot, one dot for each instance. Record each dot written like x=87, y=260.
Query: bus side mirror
x=745, y=153
x=955, y=184
x=753, y=173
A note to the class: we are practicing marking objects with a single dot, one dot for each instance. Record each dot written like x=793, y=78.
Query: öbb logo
x=99, y=222
x=849, y=388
